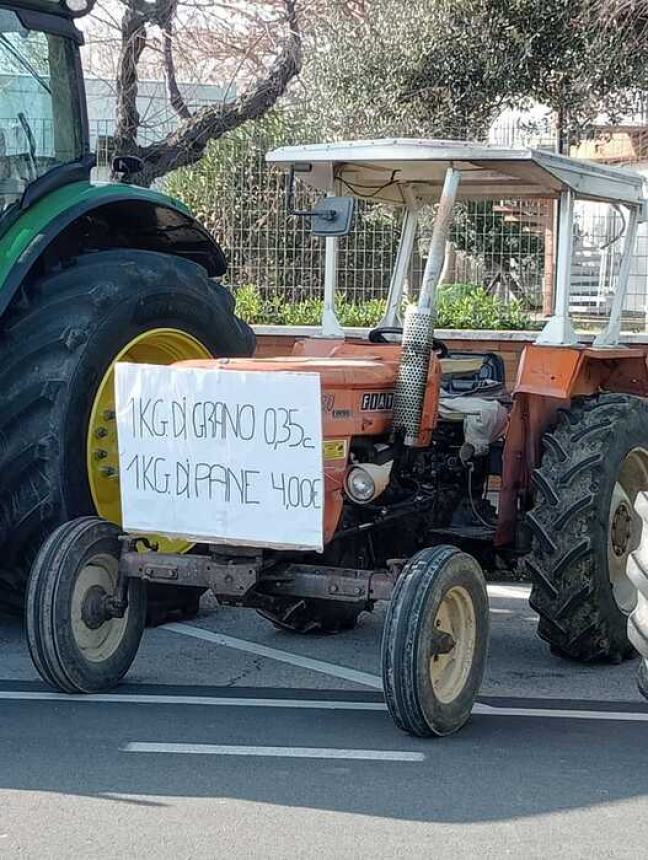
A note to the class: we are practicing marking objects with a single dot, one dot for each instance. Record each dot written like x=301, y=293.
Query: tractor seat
x=474, y=374
x=453, y=368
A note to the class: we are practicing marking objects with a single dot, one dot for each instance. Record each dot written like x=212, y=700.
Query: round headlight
x=360, y=486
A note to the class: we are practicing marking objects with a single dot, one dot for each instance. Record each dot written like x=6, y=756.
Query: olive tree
x=448, y=67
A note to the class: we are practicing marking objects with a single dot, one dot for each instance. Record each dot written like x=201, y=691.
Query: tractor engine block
x=427, y=490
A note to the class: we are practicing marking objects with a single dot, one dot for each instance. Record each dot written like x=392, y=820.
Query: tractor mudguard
x=549, y=377
x=37, y=227
x=565, y=372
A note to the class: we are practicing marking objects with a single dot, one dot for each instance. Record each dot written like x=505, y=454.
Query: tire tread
x=43, y=335
x=567, y=589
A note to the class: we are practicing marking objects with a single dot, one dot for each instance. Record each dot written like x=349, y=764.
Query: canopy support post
x=392, y=316
x=559, y=330
x=330, y=323
x=609, y=337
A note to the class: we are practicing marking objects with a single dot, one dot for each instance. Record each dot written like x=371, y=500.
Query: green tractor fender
x=82, y=216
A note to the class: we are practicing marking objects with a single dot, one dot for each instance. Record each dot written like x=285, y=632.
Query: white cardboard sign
x=221, y=456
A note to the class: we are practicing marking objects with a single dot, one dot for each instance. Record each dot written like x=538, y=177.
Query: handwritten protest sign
x=221, y=456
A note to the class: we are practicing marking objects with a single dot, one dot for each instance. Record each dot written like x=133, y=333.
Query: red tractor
x=430, y=471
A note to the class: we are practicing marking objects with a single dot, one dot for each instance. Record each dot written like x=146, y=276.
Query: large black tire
x=582, y=600
x=56, y=342
x=313, y=616
x=435, y=642
x=74, y=650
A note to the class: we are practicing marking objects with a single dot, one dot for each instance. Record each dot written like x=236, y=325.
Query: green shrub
x=249, y=304
x=461, y=306
x=276, y=310
x=472, y=306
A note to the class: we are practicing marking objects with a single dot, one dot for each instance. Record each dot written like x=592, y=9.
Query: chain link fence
x=500, y=246
x=505, y=246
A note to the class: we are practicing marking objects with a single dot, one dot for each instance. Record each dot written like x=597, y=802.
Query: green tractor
x=89, y=275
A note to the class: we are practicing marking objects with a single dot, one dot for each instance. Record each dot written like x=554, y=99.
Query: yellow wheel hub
x=157, y=346
x=456, y=617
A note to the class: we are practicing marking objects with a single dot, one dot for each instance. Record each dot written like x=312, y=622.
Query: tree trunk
x=186, y=144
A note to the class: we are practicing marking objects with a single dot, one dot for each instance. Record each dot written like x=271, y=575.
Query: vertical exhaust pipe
x=418, y=331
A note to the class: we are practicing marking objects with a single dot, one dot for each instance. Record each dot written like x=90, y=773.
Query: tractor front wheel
x=76, y=645
x=584, y=527
x=435, y=642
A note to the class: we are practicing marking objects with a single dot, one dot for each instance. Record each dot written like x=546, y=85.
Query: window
x=40, y=116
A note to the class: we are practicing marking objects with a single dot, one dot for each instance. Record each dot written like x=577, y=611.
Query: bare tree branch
x=626, y=8
x=175, y=96
x=133, y=34
x=214, y=40
x=187, y=143
x=632, y=15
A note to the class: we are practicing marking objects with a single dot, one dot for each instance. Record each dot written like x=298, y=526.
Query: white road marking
x=366, y=679
x=225, y=702
x=480, y=708
x=517, y=592
x=322, y=666
x=274, y=752
x=565, y=714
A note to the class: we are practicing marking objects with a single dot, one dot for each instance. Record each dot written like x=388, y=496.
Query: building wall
x=157, y=116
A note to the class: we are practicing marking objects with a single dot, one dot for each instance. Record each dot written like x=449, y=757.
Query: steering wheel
x=377, y=335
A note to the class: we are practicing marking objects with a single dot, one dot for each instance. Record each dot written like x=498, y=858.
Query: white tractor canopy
x=390, y=171
x=413, y=173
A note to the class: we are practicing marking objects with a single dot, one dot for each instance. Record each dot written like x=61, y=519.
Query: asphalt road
x=247, y=742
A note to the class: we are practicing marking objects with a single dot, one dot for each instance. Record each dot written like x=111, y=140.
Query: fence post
x=448, y=273
x=549, y=258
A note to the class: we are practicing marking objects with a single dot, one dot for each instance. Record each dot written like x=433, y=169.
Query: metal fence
x=242, y=201
x=498, y=245
x=506, y=246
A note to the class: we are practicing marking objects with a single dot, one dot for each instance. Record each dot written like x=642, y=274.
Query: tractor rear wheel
x=58, y=347
x=584, y=528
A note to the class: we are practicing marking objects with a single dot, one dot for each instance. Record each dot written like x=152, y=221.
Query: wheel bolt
x=100, y=454
x=100, y=432
x=109, y=415
x=109, y=472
